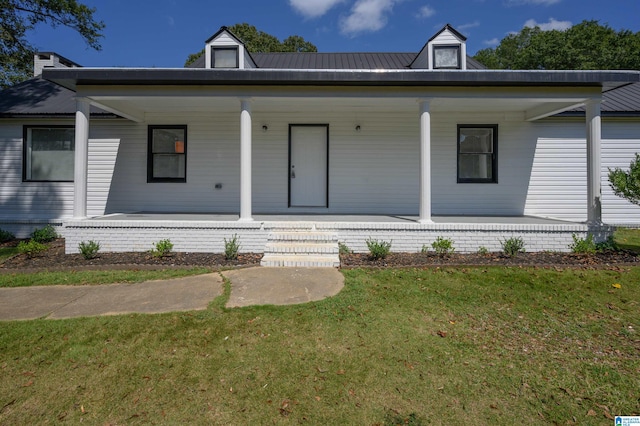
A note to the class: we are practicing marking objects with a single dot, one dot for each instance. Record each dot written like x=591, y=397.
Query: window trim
x=213, y=56
x=151, y=128
x=494, y=156
x=24, y=148
x=458, y=47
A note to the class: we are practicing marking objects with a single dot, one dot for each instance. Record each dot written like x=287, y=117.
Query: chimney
x=50, y=60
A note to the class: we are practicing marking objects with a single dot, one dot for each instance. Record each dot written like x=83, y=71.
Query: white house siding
x=557, y=186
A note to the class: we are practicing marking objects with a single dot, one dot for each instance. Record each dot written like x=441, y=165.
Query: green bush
x=483, y=250
x=343, y=249
x=512, y=246
x=162, y=248
x=378, y=249
x=582, y=245
x=44, y=235
x=231, y=248
x=608, y=245
x=89, y=249
x=31, y=248
x=6, y=236
x=443, y=246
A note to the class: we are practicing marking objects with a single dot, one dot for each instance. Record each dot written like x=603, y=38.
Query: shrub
x=378, y=249
x=44, y=235
x=343, y=249
x=162, y=248
x=608, y=245
x=512, y=246
x=443, y=246
x=483, y=250
x=231, y=247
x=31, y=248
x=6, y=236
x=89, y=249
x=582, y=245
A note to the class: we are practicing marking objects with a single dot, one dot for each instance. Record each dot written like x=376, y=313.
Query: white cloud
x=313, y=8
x=533, y=2
x=548, y=26
x=465, y=27
x=425, y=12
x=367, y=16
x=492, y=42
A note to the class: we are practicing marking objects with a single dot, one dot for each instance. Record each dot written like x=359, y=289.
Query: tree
x=587, y=45
x=257, y=41
x=626, y=184
x=17, y=17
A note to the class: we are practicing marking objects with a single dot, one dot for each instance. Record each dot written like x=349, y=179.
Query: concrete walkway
x=251, y=286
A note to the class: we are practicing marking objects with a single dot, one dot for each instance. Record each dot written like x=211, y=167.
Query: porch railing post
x=245, y=160
x=594, y=185
x=81, y=158
x=425, y=162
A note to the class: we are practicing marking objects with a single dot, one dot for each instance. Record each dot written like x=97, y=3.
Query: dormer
x=223, y=50
x=43, y=60
x=446, y=50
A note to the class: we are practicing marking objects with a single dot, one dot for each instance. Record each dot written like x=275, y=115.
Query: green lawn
x=499, y=346
x=628, y=239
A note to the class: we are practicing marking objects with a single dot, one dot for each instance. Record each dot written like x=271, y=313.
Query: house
x=400, y=147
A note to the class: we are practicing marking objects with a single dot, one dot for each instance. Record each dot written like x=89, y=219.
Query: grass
x=93, y=277
x=628, y=239
x=7, y=252
x=501, y=346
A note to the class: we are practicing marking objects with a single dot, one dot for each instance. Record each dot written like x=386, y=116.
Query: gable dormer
x=223, y=50
x=446, y=50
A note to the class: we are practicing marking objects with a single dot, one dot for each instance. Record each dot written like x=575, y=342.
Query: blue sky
x=162, y=33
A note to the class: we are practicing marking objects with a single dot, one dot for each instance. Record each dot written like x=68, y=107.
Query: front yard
x=397, y=346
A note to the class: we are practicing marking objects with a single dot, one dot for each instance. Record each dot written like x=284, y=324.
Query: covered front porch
x=201, y=232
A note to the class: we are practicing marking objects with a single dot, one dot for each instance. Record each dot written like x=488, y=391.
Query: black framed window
x=446, y=57
x=224, y=57
x=48, y=153
x=477, y=153
x=167, y=154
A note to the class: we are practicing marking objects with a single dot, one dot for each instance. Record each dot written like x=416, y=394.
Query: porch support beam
x=594, y=135
x=425, y=162
x=81, y=158
x=245, y=160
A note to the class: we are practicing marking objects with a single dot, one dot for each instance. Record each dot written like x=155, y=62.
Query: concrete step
x=291, y=247
x=303, y=261
x=303, y=236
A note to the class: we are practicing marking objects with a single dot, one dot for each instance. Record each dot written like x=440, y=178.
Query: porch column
x=245, y=160
x=81, y=158
x=594, y=134
x=425, y=162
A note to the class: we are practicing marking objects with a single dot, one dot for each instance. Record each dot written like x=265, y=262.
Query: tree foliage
x=626, y=184
x=17, y=17
x=587, y=45
x=257, y=41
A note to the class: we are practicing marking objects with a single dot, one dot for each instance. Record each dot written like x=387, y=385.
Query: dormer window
x=446, y=57
x=224, y=57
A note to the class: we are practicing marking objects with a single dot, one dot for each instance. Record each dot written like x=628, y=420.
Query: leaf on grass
x=340, y=372
x=591, y=413
x=442, y=333
x=616, y=285
x=29, y=383
x=317, y=398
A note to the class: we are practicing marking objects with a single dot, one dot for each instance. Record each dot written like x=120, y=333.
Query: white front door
x=308, y=148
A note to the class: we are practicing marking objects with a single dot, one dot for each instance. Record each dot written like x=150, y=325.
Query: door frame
x=326, y=126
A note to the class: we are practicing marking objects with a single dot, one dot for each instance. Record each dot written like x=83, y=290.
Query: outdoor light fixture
x=264, y=128
x=357, y=128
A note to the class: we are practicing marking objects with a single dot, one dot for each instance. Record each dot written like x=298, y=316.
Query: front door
x=308, y=161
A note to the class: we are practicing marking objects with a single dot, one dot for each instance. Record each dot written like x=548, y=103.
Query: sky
x=162, y=33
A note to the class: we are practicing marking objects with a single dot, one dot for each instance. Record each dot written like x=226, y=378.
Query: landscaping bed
x=55, y=258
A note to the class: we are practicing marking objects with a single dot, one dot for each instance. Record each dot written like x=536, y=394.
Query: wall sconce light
x=264, y=128
x=358, y=128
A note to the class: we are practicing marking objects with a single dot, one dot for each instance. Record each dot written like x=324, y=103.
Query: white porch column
x=425, y=162
x=594, y=134
x=81, y=158
x=245, y=160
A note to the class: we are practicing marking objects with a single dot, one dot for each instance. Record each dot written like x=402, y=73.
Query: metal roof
x=623, y=101
x=38, y=97
x=335, y=61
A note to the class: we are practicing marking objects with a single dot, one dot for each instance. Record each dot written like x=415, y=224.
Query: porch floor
x=144, y=216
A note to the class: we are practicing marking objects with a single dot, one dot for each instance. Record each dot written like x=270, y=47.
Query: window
x=224, y=57
x=167, y=154
x=477, y=153
x=48, y=153
x=446, y=57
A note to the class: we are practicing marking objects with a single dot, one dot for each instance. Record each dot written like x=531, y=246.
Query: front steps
x=301, y=249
